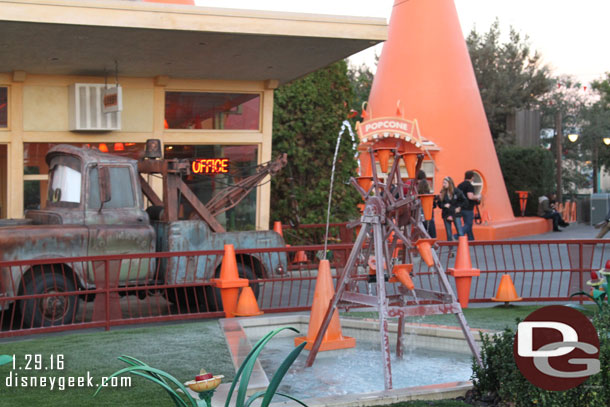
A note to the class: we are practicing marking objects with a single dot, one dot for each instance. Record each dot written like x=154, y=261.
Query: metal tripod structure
x=392, y=209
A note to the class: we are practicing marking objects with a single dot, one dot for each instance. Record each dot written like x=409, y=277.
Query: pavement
x=579, y=231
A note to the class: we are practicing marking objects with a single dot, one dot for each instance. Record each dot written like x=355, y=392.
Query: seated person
x=546, y=209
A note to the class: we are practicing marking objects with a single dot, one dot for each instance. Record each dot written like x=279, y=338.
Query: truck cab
x=99, y=192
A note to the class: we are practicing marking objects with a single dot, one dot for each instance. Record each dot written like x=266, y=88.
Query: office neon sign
x=210, y=166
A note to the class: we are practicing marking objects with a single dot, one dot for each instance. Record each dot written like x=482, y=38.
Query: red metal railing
x=47, y=295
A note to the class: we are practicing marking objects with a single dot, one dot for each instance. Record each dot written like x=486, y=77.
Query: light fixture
x=103, y=148
x=119, y=147
x=607, y=141
x=573, y=137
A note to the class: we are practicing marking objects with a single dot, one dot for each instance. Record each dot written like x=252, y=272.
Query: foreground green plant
x=182, y=397
x=4, y=359
x=500, y=381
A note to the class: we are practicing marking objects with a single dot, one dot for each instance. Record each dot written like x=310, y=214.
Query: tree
x=307, y=118
x=361, y=78
x=563, y=109
x=509, y=76
x=527, y=169
x=597, y=127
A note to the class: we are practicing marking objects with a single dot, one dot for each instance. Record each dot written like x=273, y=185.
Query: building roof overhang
x=62, y=37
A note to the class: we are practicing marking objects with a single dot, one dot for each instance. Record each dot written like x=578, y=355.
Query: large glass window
x=3, y=107
x=212, y=111
x=35, y=168
x=242, y=162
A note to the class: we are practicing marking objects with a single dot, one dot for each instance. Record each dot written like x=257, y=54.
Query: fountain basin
x=423, y=341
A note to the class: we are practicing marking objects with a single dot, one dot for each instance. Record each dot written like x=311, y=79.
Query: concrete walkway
x=574, y=231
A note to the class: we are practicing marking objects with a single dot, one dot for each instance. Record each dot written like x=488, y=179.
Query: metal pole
x=558, y=145
x=595, y=167
x=382, y=302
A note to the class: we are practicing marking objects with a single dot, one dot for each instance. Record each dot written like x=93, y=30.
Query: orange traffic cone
x=401, y=273
x=365, y=182
x=463, y=271
x=300, y=257
x=277, y=227
x=247, y=305
x=229, y=281
x=333, y=338
x=410, y=163
x=383, y=155
x=506, y=291
x=427, y=204
x=424, y=247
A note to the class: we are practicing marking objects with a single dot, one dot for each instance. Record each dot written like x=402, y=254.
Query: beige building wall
x=38, y=111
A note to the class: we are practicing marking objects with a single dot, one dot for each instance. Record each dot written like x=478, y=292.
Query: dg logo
x=556, y=348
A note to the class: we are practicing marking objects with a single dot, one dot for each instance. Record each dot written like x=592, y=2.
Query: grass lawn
x=179, y=349
x=492, y=318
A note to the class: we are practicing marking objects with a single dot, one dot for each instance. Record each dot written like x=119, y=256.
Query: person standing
x=473, y=199
x=451, y=200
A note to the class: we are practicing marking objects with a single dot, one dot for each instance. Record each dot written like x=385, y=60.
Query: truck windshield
x=64, y=182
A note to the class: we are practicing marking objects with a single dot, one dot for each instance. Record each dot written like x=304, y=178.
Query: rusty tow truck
x=95, y=206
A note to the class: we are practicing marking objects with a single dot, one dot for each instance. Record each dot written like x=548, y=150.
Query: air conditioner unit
x=85, y=108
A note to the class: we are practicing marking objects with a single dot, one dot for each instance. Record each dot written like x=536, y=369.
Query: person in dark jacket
x=546, y=209
x=472, y=200
x=451, y=201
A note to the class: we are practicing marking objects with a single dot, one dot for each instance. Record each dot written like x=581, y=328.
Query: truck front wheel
x=213, y=294
x=56, y=309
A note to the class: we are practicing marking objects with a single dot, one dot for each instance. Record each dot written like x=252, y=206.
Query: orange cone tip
x=300, y=257
x=427, y=204
x=401, y=273
x=365, y=182
x=277, y=228
x=247, y=305
x=323, y=294
x=506, y=291
x=383, y=155
x=424, y=247
x=410, y=163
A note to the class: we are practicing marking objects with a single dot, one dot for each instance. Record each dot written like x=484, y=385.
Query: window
x=477, y=182
x=3, y=107
x=212, y=111
x=242, y=163
x=121, y=189
x=35, y=168
x=64, y=182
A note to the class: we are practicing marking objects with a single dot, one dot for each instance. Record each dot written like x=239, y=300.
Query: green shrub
x=499, y=379
x=527, y=169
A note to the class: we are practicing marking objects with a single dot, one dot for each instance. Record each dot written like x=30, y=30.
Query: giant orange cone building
x=425, y=67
